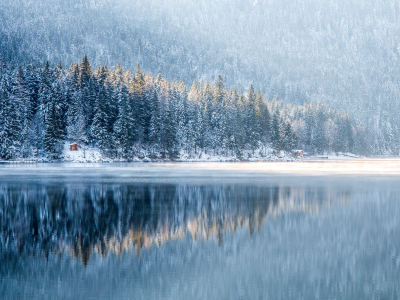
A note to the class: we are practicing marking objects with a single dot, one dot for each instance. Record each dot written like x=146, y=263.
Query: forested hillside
x=136, y=116
x=340, y=53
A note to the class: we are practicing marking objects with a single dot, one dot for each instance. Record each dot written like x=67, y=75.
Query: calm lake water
x=190, y=232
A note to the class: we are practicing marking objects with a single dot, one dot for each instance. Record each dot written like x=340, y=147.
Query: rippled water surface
x=193, y=232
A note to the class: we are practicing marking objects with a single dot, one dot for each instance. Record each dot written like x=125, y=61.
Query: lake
x=315, y=230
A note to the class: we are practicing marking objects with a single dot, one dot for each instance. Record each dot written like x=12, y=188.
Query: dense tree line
x=136, y=115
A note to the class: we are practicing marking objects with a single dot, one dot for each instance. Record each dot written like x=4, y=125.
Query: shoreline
x=193, y=169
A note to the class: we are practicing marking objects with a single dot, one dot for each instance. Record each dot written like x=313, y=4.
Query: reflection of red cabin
x=73, y=147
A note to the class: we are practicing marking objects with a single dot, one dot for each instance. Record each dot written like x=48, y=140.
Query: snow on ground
x=92, y=155
x=87, y=154
x=258, y=155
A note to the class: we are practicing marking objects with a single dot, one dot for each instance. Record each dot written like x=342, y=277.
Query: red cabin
x=73, y=147
x=298, y=153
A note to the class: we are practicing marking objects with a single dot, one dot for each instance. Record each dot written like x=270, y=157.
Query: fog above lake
x=254, y=172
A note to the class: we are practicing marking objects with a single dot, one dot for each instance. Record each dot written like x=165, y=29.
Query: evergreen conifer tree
x=100, y=123
x=155, y=121
x=87, y=93
x=171, y=146
x=124, y=127
x=276, y=132
x=253, y=128
x=319, y=139
x=9, y=122
x=21, y=100
x=142, y=106
x=219, y=120
x=288, y=137
x=53, y=136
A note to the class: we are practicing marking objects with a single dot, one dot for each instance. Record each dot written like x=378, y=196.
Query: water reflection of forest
x=81, y=219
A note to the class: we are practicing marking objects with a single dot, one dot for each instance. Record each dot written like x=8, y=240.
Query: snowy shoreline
x=99, y=159
x=94, y=155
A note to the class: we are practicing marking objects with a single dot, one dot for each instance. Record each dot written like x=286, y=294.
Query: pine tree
x=85, y=84
x=117, y=76
x=100, y=123
x=32, y=80
x=171, y=141
x=181, y=113
x=344, y=137
x=265, y=123
x=218, y=117
x=361, y=145
x=288, y=137
x=76, y=119
x=124, y=127
x=85, y=73
x=253, y=128
x=53, y=136
x=319, y=139
x=142, y=107
x=241, y=128
x=76, y=129
x=276, y=132
x=194, y=92
x=155, y=121
x=21, y=99
x=9, y=122
x=198, y=115
x=310, y=124
x=209, y=118
x=45, y=89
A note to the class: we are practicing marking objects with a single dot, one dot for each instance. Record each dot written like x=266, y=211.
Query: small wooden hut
x=298, y=153
x=73, y=147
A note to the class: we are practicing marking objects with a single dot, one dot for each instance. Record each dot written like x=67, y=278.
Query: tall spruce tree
x=87, y=94
x=253, y=128
x=142, y=107
x=319, y=139
x=21, y=99
x=100, y=125
x=76, y=118
x=171, y=141
x=9, y=122
x=53, y=135
x=288, y=137
x=124, y=127
x=276, y=132
x=155, y=121
x=265, y=124
x=219, y=120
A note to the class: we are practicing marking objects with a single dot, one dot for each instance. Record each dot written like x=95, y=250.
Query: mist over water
x=266, y=239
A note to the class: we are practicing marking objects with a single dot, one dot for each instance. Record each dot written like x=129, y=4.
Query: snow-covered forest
x=130, y=116
x=344, y=54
